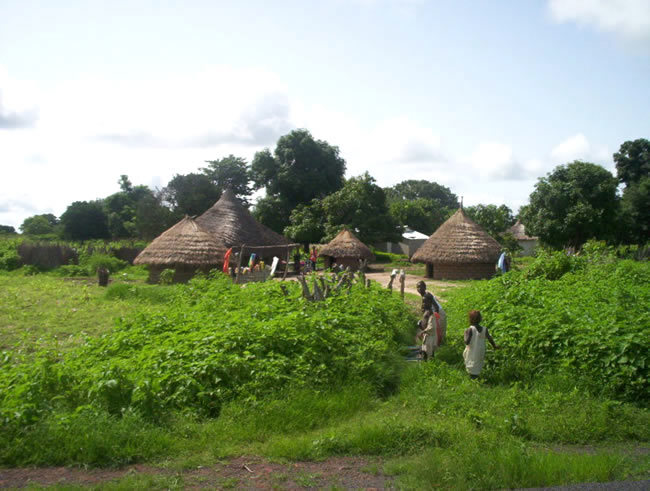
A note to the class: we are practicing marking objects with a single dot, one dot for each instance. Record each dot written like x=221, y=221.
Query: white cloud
x=578, y=147
x=629, y=19
x=17, y=103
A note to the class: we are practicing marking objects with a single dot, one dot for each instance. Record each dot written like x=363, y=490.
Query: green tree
x=307, y=224
x=84, y=220
x=39, y=224
x=299, y=170
x=494, y=219
x=272, y=211
x=633, y=169
x=572, y=204
x=633, y=161
x=152, y=218
x=7, y=229
x=190, y=194
x=421, y=214
x=121, y=208
x=361, y=207
x=230, y=173
x=421, y=189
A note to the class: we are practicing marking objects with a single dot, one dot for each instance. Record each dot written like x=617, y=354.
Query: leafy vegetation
x=193, y=373
x=577, y=315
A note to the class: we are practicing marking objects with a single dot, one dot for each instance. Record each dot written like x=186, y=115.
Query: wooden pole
x=241, y=254
x=402, y=280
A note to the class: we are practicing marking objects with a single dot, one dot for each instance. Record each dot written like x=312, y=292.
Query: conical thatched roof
x=458, y=240
x=345, y=244
x=185, y=243
x=231, y=223
x=519, y=232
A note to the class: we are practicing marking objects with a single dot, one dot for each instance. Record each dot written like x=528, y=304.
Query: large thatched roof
x=231, y=223
x=185, y=243
x=458, y=240
x=345, y=244
x=519, y=232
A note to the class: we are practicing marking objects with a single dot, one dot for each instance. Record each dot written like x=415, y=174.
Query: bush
x=552, y=265
x=94, y=262
x=191, y=354
x=586, y=322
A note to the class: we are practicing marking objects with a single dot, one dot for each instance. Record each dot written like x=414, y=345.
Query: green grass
x=440, y=428
x=60, y=312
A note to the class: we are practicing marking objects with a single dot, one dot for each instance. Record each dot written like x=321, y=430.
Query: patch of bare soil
x=434, y=286
x=242, y=472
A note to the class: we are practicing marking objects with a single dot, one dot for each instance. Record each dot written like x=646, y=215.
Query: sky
x=484, y=97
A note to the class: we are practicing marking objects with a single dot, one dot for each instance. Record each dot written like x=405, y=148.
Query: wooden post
x=286, y=266
x=402, y=280
x=241, y=254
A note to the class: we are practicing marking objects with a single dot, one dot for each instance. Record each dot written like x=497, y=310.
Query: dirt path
x=242, y=472
x=435, y=286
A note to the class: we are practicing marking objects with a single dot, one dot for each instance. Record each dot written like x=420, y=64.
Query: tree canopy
x=39, y=224
x=572, y=204
x=230, y=173
x=7, y=229
x=299, y=170
x=84, y=220
x=633, y=161
x=494, y=219
x=421, y=189
x=633, y=169
x=190, y=194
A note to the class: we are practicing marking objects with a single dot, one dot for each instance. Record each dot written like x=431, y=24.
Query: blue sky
x=484, y=97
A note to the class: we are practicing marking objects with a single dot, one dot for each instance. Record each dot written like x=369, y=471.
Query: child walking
x=475, y=336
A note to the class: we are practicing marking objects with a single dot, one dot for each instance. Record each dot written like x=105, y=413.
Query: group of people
x=432, y=330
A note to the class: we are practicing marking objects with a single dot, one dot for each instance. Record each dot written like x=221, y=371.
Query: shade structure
x=233, y=225
x=185, y=247
x=459, y=249
x=345, y=249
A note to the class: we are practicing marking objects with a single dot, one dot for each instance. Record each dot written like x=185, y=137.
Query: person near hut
x=475, y=336
x=433, y=325
x=313, y=257
x=431, y=334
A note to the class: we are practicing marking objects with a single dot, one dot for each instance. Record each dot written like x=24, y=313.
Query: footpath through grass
x=435, y=427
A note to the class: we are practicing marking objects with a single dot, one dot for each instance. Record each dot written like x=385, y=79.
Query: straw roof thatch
x=186, y=243
x=345, y=244
x=458, y=240
x=519, y=232
x=231, y=223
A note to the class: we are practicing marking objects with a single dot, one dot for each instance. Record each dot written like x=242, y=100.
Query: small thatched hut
x=346, y=250
x=186, y=248
x=460, y=249
x=233, y=225
x=527, y=243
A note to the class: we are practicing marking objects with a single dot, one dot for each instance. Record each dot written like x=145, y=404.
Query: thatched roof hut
x=233, y=225
x=459, y=249
x=345, y=249
x=186, y=247
x=526, y=242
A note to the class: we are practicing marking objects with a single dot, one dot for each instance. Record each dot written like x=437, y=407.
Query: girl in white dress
x=475, y=336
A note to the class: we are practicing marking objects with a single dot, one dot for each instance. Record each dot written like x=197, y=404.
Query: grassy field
x=435, y=428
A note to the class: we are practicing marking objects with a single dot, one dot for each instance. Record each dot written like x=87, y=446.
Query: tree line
x=308, y=199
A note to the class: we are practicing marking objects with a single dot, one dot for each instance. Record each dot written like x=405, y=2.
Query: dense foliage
x=213, y=342
x=574, y=203
x=583, y=315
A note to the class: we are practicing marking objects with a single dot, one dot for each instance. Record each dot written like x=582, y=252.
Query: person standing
x=313, y=257
x=475, y=336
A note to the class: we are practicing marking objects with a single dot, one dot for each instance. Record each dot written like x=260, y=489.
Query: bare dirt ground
x=434, y=286
x=242, y=472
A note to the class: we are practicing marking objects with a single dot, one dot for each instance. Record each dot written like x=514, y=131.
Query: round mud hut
x=459, y=250
x=526, y=242
x=233, y=225
x=346, y=250
x=186, y=248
